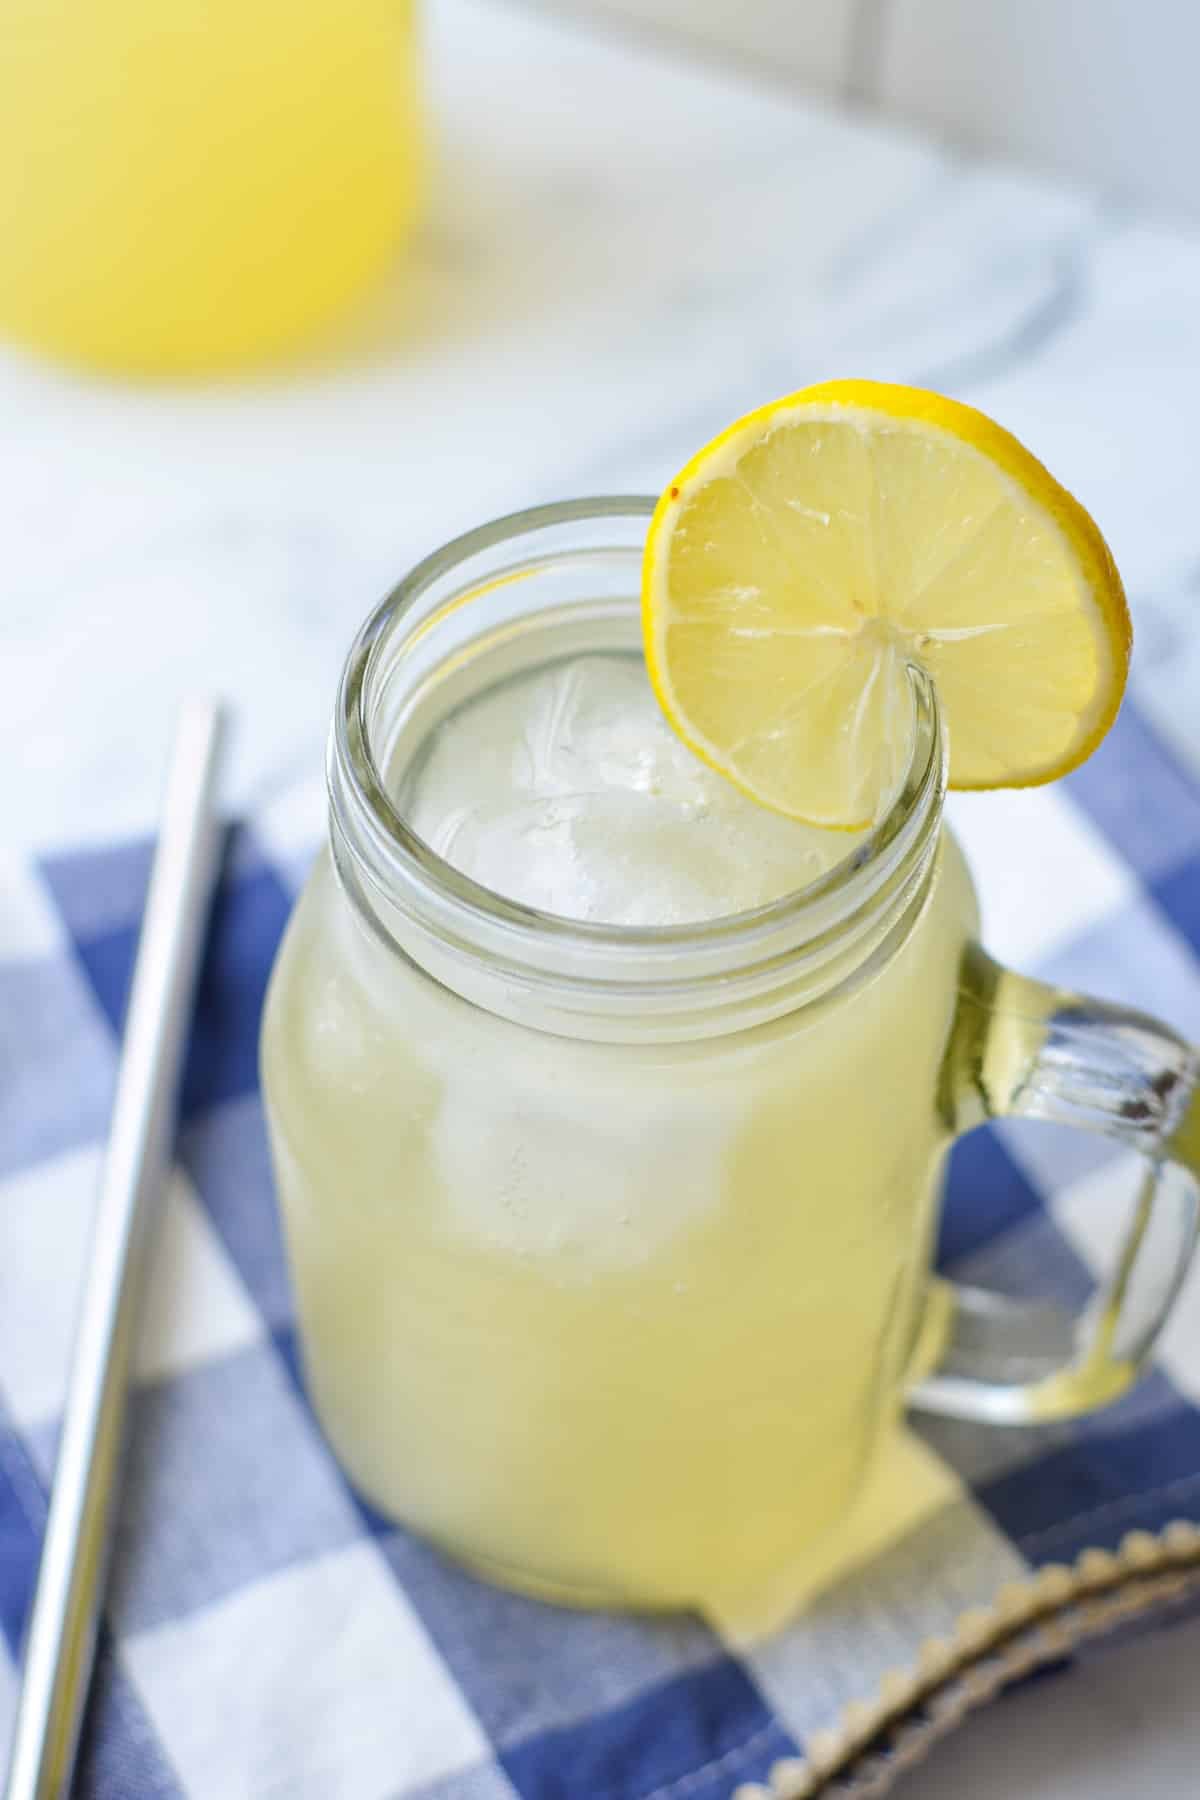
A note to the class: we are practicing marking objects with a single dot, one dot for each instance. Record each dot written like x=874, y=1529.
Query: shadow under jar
x=611, y=1244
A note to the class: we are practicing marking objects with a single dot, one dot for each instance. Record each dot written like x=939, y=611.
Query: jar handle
x=1021, y=1049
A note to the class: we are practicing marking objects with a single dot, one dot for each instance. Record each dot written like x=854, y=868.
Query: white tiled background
x=1099, y=90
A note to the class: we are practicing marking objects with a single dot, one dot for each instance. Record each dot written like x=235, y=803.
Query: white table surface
x=622, y=251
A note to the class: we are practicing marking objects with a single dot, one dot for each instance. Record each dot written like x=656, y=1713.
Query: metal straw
x=62, y=1624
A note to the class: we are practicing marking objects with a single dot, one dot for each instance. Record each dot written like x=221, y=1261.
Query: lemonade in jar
x=609, y=1090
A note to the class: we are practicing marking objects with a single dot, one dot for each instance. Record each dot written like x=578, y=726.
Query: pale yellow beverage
x=189, y=184
x=610, y=1233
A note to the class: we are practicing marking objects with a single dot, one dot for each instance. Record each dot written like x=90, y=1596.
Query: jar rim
x=398, y=863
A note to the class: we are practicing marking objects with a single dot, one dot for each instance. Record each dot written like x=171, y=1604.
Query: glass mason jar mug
x=611, y=1245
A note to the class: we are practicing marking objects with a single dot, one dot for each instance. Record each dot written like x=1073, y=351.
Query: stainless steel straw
x=62, y=1624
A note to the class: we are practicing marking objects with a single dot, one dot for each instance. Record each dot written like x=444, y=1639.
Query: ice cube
x=565, y=789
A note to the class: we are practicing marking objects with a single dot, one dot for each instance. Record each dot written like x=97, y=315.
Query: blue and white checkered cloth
x=268, y=1634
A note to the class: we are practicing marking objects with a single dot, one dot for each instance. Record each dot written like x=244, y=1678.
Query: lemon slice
x=803, y=560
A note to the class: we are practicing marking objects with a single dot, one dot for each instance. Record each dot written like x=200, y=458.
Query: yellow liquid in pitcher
x=615, y=1321
x=190, y=184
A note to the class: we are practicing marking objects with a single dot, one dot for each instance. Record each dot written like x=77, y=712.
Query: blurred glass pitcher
x=198, y=184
